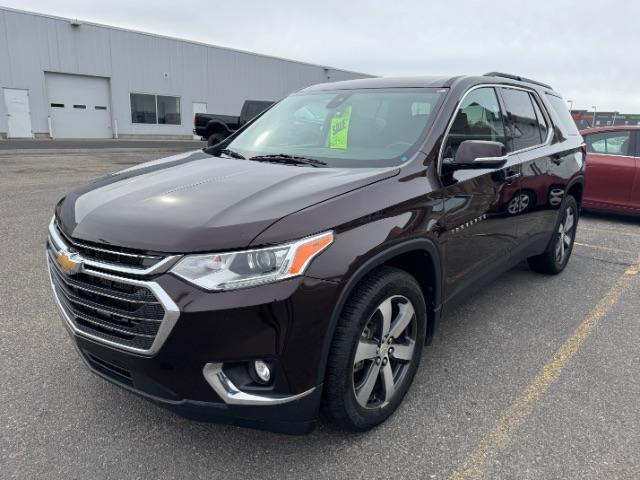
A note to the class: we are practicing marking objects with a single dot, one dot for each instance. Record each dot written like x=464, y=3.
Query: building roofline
x=177, y=39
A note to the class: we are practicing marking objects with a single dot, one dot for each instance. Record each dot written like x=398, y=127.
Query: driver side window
x=479, y=118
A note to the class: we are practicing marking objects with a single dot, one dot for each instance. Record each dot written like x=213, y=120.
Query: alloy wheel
x=384, y=352
x=565, y=236
x=519, y=203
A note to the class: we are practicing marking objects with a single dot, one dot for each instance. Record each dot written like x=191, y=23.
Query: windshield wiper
x=289, y=160
x=231, y=153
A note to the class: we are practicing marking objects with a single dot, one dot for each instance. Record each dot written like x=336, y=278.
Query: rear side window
x=522, y=116
x=542, y=123
x=479, y=118
x=567, y=126
x=609, y=143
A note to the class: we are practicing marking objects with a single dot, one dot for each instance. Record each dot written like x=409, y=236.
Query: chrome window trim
x=232, y=395
x=611, y=155
x=494, y=85
x=161, y=266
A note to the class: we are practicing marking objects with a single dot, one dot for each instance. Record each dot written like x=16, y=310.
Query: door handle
x=511, y=178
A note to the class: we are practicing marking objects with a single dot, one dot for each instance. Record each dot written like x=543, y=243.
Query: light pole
x=594, y=115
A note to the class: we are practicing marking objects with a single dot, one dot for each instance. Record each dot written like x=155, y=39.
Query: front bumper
x=211, y=335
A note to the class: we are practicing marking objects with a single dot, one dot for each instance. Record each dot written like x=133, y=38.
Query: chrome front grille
x=117, y=256
x=131, y=314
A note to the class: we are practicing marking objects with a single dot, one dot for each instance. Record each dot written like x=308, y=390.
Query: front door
x=479, y=232
x=198, y=107
x=18, y=114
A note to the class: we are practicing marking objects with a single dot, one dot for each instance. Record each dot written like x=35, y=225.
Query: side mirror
x=477, y=154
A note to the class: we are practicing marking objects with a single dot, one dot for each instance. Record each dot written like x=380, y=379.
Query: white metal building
x=64, y=78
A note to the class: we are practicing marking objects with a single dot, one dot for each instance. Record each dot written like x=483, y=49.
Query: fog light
x=262, y=370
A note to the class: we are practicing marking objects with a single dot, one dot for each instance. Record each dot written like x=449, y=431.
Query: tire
x=522, y=202
x=385, y=363
x=555, y=258
x=215, y=138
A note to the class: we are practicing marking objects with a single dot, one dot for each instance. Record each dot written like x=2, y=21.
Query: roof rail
x=518, y=78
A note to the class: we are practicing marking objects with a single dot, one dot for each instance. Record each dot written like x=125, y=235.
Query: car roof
x=612, y=128
x=443, y=81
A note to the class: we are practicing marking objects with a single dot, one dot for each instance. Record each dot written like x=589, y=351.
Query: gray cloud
x=585, y=49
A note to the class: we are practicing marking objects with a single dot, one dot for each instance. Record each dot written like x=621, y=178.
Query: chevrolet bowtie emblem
x=70, y=263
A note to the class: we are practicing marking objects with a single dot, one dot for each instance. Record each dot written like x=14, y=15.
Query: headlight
x=228, y=271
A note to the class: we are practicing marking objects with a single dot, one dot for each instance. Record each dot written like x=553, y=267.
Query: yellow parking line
x=599, y=247
x=496, y=439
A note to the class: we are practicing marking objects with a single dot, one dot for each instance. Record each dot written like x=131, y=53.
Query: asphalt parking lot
x=533, y=377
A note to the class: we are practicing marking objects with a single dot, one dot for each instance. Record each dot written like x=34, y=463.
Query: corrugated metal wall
x=32, y=44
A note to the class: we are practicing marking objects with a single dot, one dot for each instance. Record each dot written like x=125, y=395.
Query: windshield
x=348, y=128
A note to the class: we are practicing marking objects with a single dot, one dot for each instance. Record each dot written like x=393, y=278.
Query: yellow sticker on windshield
x=339, y=133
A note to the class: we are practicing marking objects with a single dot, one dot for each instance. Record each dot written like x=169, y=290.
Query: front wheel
x=376, y=349
x=555, y=258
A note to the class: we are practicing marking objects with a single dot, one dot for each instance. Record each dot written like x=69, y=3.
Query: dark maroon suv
x=301, y=264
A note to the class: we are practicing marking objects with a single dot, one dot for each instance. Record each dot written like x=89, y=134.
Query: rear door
x=533, y=203
x=479, y=232
x=611, y=169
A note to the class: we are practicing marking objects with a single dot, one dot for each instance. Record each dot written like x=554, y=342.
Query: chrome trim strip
x=161, y=266
x=168, y=321
x=496, y=85
x=610, y=155
x=106, y=295
x=124, y=254
x=74, y=299
x=232, y=395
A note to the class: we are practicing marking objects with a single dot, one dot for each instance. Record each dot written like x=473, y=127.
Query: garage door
x=79, y=106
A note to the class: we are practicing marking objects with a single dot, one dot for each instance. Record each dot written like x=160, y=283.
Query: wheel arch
x=409, y=256
x=575, y=188
x=215, y=126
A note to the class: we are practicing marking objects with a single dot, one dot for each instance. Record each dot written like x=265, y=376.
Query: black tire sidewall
x=214, y=138
x=385, y=283
x=568, y=202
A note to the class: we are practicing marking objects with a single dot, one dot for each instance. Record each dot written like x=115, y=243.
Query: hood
x=194, y=202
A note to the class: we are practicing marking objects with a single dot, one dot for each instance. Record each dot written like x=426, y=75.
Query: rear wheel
x=555, y=258
x=376, y=349
x=215, y=138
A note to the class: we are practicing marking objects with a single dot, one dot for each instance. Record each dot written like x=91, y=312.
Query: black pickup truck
x=214, y=128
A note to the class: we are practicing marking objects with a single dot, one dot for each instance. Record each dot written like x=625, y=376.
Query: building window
x=155, y=109
x=143, y=108
x=168, y=110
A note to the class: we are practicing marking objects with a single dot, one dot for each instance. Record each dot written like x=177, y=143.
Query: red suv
x=613, y=169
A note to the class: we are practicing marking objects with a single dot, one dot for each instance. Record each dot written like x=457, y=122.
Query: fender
x=434, y=308
x=215, y=125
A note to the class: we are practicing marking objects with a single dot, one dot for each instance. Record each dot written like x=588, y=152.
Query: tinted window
x=169, y=110
x=155, y=109
x=479, y=118
x=609, y=143
x=522, y=117
x=542, y=123
x=143, y=108
x=566, y=124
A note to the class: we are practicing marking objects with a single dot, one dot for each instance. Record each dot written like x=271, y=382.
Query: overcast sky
x=586, y=49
